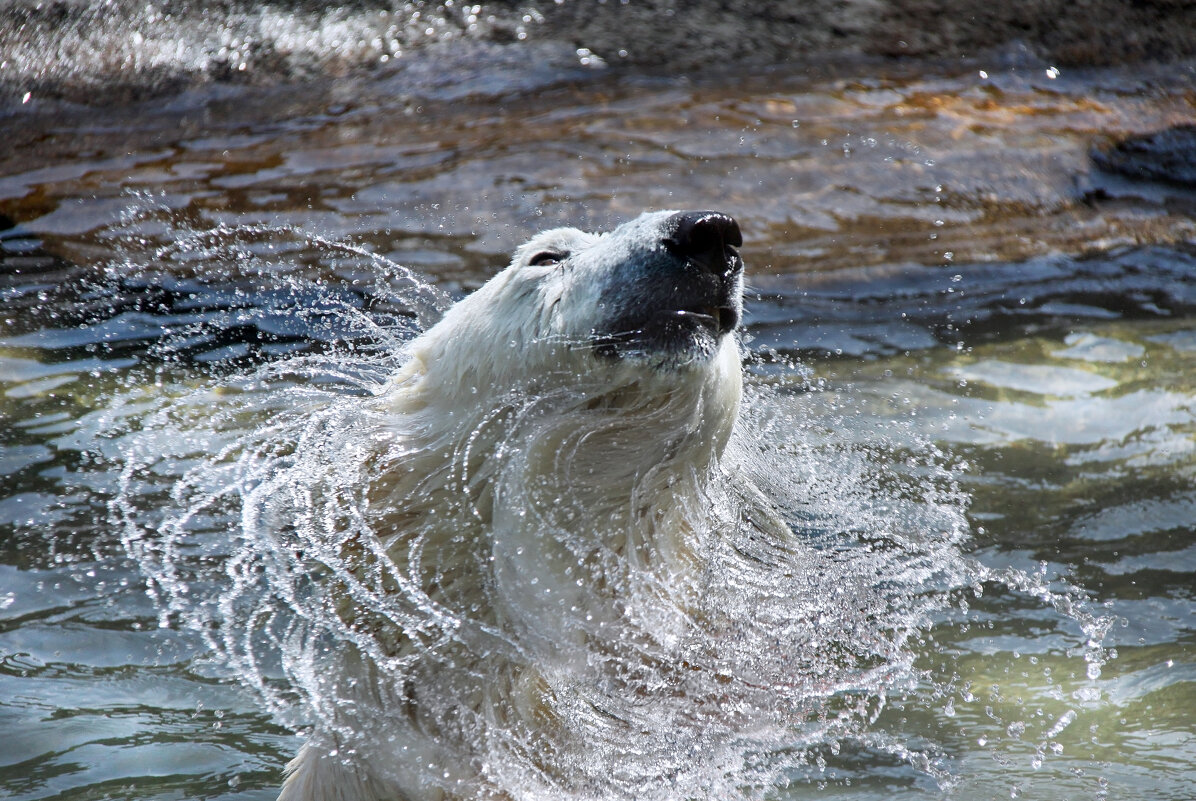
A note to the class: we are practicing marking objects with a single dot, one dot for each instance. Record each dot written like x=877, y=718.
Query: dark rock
x=1168, y=155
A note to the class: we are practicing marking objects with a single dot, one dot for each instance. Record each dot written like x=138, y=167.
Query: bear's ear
x=546, y=258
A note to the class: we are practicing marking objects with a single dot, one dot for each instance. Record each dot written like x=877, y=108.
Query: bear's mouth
x=719, y=319
x=690, y=331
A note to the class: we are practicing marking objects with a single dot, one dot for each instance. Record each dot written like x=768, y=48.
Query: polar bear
x=536, y=541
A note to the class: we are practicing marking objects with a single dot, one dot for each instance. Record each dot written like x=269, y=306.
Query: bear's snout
x=676, y=292
x=706, y=239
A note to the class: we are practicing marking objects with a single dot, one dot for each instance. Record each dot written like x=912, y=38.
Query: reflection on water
x=988, y=444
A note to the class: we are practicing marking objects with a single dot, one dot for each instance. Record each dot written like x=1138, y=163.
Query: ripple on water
x=1082, y=457
x=882, y=590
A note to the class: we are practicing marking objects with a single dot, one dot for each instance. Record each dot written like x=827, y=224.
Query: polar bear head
x=663, y=290
x=655, y=303
x=594, y=368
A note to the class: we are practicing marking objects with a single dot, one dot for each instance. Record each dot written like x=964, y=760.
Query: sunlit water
x=970, y=363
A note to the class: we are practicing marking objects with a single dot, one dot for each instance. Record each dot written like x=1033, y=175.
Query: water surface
x=970, y=352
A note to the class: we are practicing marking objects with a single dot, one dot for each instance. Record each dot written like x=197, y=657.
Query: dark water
x=956, y=320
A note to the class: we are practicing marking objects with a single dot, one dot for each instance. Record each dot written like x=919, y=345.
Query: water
x=970, y=360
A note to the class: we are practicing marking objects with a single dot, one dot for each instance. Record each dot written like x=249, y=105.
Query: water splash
x=257, y=498
x=147, y=48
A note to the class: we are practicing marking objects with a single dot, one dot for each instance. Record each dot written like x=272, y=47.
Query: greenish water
x=1006, y=341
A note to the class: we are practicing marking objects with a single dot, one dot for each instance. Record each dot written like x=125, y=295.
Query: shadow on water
x=970, y=348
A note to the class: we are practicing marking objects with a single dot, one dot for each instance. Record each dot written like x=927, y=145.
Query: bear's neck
x=598, y=444
x=554, y=495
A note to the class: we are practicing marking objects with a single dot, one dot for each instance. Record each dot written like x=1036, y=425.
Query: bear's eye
x=547, y=257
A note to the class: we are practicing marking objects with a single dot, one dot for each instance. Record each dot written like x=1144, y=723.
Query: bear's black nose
x=705, y=238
